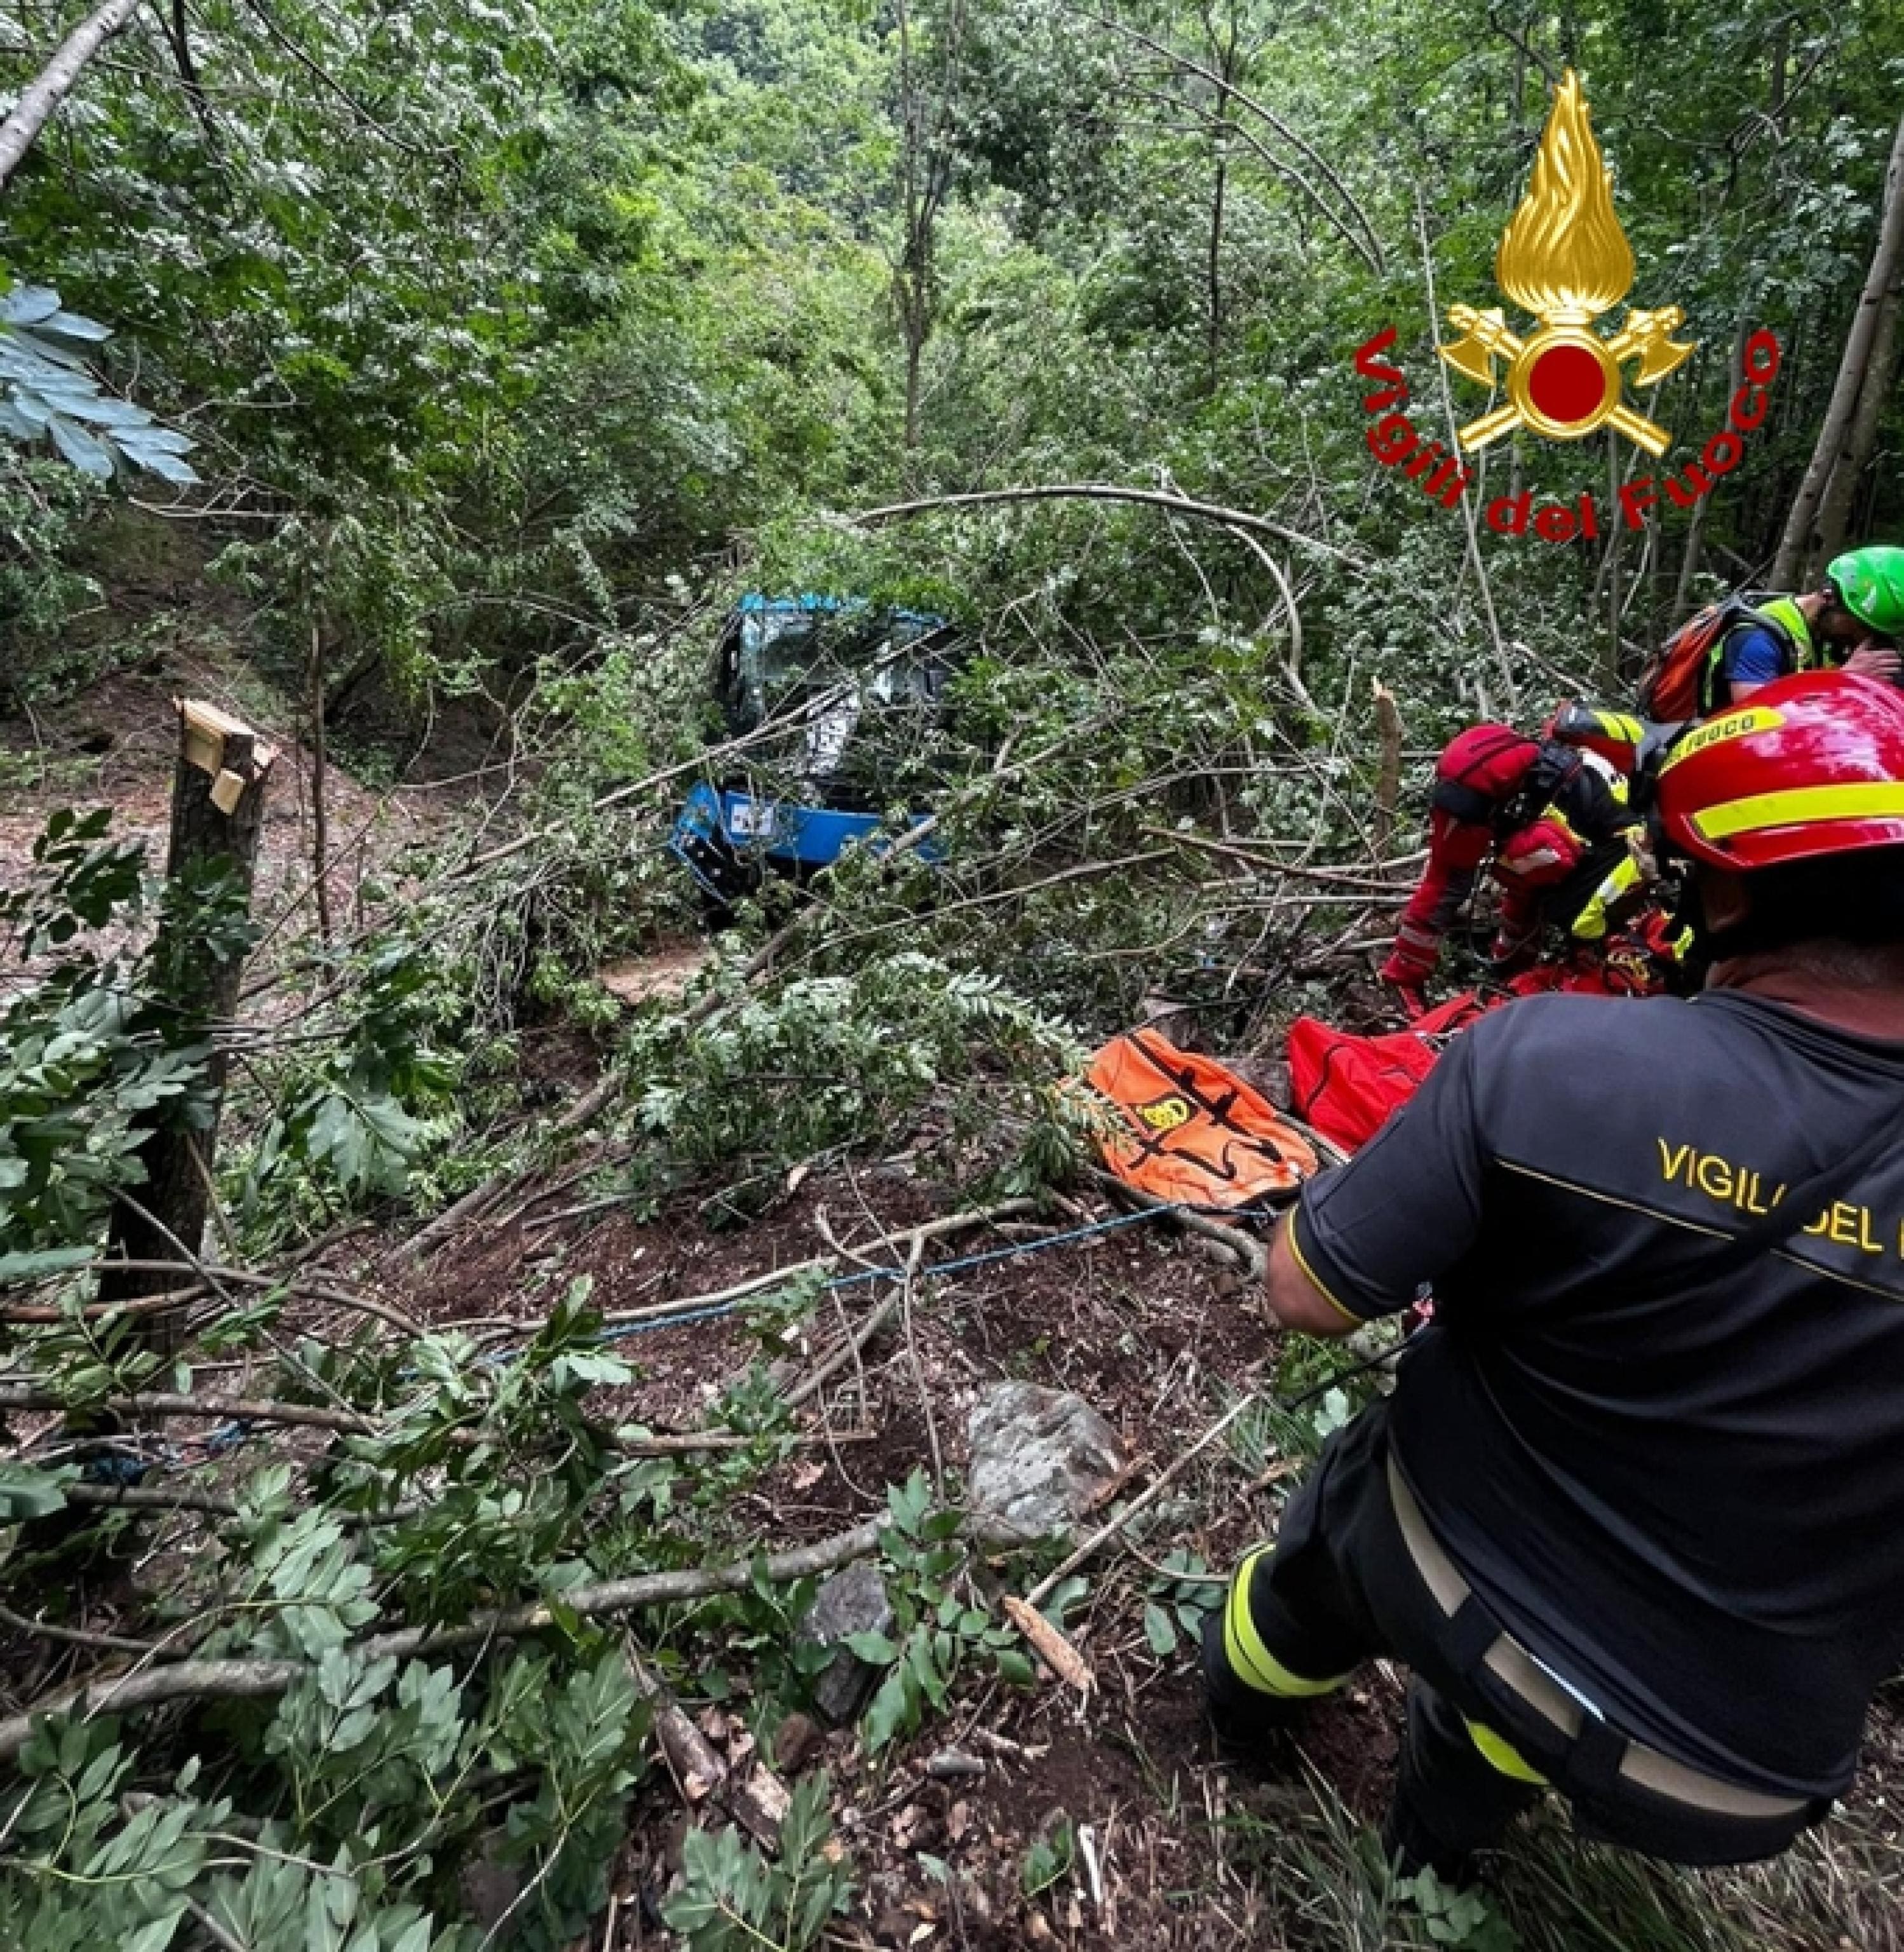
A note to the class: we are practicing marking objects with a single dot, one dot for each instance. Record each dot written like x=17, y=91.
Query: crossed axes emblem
x=1565, y=381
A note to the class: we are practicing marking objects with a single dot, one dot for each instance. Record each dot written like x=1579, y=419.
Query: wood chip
x=1051, y=1646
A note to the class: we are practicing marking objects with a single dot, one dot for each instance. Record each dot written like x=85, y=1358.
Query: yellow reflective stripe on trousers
x=1250, y=1659
x=1502, y=1753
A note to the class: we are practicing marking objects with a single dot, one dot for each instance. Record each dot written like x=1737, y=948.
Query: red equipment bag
x=1346, y=1086
x=1190, y=1131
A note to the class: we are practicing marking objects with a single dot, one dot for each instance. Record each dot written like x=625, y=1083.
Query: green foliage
x=517, y=340
x=81, y=1065
x=1458, y=1916
x=1049, y=1856
x=732, y=1899
x=937, y=1629
x=48, y=392
x=348, y=1122
x=1180, y=1596
x=836, y=1060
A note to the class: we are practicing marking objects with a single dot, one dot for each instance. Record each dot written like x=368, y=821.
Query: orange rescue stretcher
x=1188, y=1130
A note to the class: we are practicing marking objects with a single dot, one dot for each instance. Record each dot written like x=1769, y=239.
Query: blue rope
x=229, y=1436
x=621, y=1331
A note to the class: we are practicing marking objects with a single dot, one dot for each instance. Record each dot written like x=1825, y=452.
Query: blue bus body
x=855, y=659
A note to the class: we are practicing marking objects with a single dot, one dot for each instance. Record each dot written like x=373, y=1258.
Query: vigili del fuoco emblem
x=1563, y=258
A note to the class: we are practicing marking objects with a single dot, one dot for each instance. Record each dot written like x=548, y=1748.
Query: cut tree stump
x=217, y=814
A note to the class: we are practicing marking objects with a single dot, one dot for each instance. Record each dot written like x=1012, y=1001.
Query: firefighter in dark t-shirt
x=1634, y=1512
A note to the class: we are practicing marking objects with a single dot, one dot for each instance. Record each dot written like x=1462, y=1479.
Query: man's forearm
x=1294, y=1296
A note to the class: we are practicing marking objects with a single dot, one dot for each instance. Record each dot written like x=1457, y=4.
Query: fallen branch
x=140, y=1498
x=241, y=1680
x=165, y=1403
x=1105, y=491
x=757, y=1802
x=214, y=1279
x=1050, y=1645
x=928, y=1230
x=54, y=81
x=473, y=1201
x=75, y=1636
x=1241, y=852
x=1246, y=1247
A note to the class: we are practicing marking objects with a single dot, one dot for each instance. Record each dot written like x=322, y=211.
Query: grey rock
x=853, y=1601
x=1038, y=1458
x=489, y=1887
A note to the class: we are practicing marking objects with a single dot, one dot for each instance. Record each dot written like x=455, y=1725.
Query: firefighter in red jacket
x=1551, y=813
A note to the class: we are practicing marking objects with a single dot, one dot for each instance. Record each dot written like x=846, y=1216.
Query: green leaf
x=26, y=1493
x=894, y=1710
x=873, y=1648
x=46, y=1261
x=88, y=455
x=1160, y=1630
x=1047, y=1860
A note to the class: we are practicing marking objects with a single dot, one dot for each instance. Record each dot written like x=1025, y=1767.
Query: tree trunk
x=1834, y=512
x=1214, y=272
x=1854, y=369
x=320, y=810
x=1388, y=772
x=217, y=813
x=21, y=128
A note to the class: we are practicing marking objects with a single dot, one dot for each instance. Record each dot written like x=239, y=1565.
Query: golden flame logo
x=1563, y=255
x=1564, y=259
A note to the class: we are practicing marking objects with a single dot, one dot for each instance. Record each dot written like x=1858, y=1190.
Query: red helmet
x=1490, y=759
x=1811, y=765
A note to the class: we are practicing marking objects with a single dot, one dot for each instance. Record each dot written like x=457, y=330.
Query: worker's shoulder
x=1595, y=1038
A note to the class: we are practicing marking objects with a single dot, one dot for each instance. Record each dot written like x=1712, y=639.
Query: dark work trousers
x=1340, y=1587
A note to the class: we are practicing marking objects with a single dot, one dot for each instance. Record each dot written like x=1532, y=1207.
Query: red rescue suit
x=1551, y=818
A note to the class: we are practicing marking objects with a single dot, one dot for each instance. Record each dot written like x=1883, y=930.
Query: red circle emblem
x=1567, y=384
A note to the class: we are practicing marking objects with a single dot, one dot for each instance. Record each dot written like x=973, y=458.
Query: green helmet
x=1870, y=584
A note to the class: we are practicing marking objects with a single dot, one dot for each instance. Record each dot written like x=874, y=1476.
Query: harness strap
x=1598, y=1757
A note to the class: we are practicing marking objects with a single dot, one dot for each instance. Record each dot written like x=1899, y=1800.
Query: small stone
x=1038, y=1458
x=795, y=1741
x=951, y=1763
x=853, y=1601
x=490, y=1887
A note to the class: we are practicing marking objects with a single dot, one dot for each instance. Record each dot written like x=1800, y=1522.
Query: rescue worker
x=1851, y=622
x=1634, y=1512
x=1550, y=812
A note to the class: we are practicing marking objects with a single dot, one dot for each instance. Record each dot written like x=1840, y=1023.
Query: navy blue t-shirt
x=1682, y=1488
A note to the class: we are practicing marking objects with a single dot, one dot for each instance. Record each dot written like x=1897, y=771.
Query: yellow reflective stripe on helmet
x=1502, y=1753
x=1798, y=806
x=1250, y=1659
